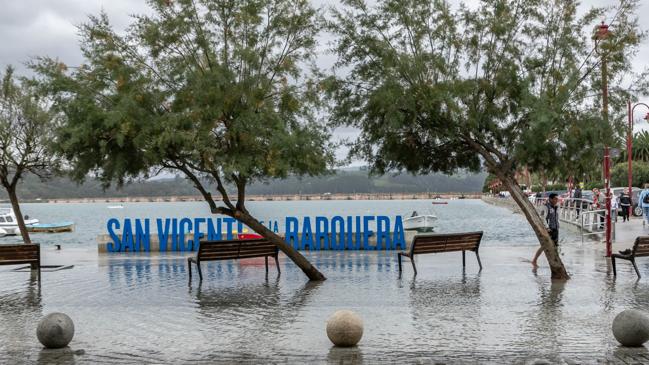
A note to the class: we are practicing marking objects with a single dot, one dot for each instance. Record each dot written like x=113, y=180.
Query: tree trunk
x=311, y=272
x=19, y=215
x=550, y=250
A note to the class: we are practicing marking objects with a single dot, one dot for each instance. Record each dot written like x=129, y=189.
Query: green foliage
x=639, y=148
x=619, y=174
x=211, y=88
x=550, y=187
x=26, y=127
x=506, y=84
x=343, y=182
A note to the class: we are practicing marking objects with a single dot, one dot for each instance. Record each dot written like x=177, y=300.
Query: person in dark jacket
x=625, y=206
x=552, y=221
x=577, y=195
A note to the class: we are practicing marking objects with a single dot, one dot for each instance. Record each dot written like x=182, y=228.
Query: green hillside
x=344, y=181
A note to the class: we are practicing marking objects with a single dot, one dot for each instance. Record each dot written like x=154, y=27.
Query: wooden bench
x=21, y=253
x=448, y=242
x=233, y=250
x=640, y=248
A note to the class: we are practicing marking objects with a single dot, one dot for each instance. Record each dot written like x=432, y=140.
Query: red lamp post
x=629, y=142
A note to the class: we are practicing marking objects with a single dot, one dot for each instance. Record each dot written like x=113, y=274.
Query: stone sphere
x=631, y=328
x=345, y=328
x=55, y=330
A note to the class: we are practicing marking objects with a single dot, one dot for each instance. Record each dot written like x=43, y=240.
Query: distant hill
x=344, y=181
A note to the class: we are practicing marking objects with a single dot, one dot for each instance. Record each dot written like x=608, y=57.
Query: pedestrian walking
x=625, y=206
x=599, y=218
x=577, y=196
x=643, y=200
x=552, y=221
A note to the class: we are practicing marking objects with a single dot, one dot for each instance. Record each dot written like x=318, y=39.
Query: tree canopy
x=26, y=137
x=218, y=89
x=505, y=84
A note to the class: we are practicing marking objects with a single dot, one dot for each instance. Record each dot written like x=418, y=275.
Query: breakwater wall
x=285, y=197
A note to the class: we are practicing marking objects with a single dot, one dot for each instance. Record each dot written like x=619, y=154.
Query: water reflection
x=56, y=356
x=543, y=325
x=345, y=355
x=20, y=304
x=254, y=315
x=441, y=305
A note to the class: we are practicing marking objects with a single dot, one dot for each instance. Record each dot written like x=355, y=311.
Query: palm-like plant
x=640, y=148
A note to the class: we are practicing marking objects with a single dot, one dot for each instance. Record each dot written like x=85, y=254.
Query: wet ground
x=141, y=309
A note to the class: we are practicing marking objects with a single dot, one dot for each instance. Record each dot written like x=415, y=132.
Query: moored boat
x=9, y=223
x=420, y=222
x=51, y=227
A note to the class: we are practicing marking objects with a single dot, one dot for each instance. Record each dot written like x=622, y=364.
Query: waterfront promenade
x=140, y=309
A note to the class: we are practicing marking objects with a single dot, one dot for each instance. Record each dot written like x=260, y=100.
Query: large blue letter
x=367, y=232
x=127, y=236
x=163, y=233
x=115, y=246
x=307, y=234
x=174, y=234
x=183, y=222
x=214, y=234
x=321, y=233
x=338, y=235
x=142, y=236
x=383, y=233
x=398, y=237
x=228, y=228
x=291, y=224
x=197, y=234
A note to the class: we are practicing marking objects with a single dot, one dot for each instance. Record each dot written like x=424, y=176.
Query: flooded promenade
x=142, y=309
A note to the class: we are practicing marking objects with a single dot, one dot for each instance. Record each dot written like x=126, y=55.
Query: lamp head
x=602, y=32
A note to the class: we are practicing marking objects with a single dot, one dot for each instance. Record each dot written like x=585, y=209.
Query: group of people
x=623, y=202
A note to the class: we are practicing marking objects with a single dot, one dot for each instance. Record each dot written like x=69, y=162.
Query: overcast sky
x=31, y=28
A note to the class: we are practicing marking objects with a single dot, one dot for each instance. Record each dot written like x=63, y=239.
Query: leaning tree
x=503, y=84
x=26, y=135
x=223, y=91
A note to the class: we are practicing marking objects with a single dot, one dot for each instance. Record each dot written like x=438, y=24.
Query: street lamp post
x=629, y=144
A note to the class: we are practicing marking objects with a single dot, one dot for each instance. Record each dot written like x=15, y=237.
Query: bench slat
x=18, y=257
x=16, y=262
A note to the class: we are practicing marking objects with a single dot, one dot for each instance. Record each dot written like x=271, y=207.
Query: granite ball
x=631, y=328
x=55, y=330
x=345, y=328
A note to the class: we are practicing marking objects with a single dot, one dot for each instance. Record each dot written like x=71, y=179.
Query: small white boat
x=116, y=206
x=9, y=224
x=420, y=222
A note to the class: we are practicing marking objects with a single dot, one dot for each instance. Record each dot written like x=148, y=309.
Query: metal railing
x=582, y=213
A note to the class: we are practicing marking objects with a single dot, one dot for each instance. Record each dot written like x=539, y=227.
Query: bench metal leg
x=613, y=264
x=200, y=272
x=636, y=268
x=39, y=274
x=277, y=264
x=412, y=260
x=399, y=259
x=189, y=268
x=477, y=255
x=463, y=259
x=266, y=260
